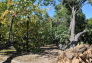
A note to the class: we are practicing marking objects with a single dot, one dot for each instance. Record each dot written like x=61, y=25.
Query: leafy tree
x=74, y=6
x=87, y=37
x=61, y=24
x=25, y=25
x=28, y=27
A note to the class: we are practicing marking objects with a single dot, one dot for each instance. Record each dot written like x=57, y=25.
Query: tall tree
x=74, y=6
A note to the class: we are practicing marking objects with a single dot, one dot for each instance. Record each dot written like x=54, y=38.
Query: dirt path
x=48, y=56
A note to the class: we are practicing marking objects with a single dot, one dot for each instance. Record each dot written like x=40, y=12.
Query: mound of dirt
x=79, y=54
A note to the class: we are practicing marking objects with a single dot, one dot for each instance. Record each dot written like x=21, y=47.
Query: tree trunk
x=72, y=25
x=10, y=31
x=74, y=37
x=27, y=40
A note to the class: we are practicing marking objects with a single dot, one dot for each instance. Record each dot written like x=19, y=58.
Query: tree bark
x=10, y=31
x=27, y=39
x=74, y=37
x=72, y=25
x=79, y=34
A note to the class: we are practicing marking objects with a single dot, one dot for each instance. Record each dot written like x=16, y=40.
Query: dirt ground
x=48, y=56
x=79, y=54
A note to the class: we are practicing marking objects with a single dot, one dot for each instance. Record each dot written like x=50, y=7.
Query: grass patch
x=6, y=50
x=3, y=52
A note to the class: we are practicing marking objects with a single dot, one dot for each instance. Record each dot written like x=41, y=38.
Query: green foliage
x=61, y=24
x=62, y=32
x=39, y=26
x=87, y=37
x=80, y=22
x=29, y=27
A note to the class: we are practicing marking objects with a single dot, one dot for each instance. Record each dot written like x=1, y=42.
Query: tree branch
x=70, y=6
x=79, y=34
x=81, y=7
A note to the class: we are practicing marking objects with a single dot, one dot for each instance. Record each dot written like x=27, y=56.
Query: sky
x=87, y=10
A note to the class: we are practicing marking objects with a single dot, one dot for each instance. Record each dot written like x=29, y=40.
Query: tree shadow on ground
x=10, y=58
x=44, y=48
x=40, y=51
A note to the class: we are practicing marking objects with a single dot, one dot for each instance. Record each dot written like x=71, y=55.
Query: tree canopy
x=27, y=26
